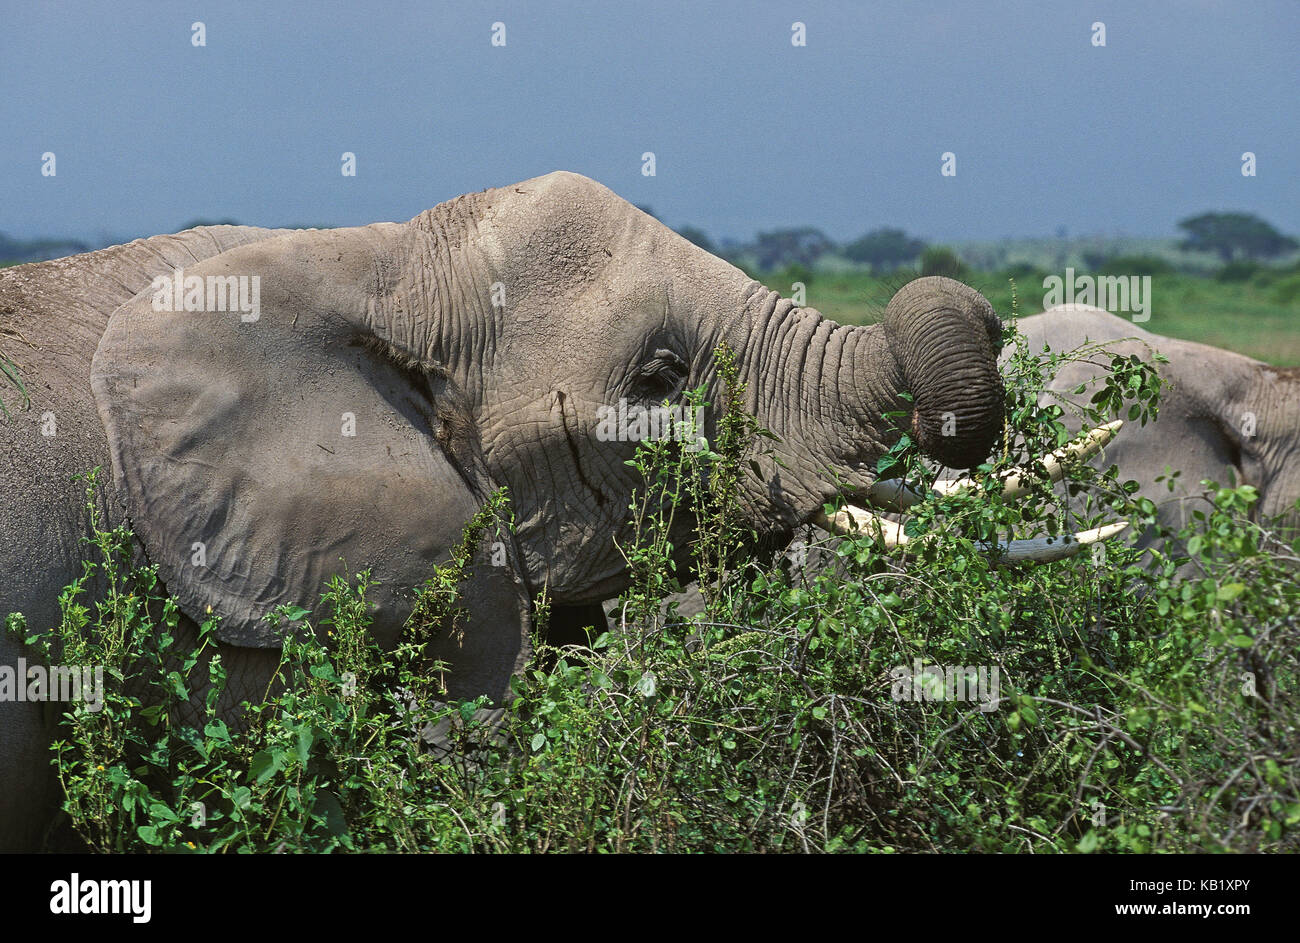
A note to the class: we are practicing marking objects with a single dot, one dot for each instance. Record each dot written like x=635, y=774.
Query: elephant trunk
x=945, y=338
x=825, y=390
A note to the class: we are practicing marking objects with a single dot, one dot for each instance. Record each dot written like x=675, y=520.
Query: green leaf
x=149, y=835
x=263, y=766
x=306, y=737
x=163, y=812
x=325, y=672
x=538, y=741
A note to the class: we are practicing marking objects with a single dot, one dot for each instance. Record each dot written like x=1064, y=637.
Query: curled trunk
x=945, y=338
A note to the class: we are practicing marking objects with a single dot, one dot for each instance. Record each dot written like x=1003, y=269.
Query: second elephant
x=1222, y=417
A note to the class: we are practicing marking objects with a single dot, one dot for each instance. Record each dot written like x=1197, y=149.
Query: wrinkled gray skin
x=229, y=434
x=1205, y=409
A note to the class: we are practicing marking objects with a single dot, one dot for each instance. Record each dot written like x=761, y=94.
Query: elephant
x=1222, y=416
x=375, y=385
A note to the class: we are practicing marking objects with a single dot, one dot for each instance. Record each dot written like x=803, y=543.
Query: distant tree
x=782, y=247
x=18, y=251
x=940, y=260
x=783, y=280
x=1238, y=271
x=1134, y=265
x=699, y=237
x=1025, y=272
x=1233, y=234
x=884, y=248
x=1093, y=259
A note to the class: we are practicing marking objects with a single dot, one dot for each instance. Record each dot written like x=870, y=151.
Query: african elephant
x=374, y=385
x=1222, y=416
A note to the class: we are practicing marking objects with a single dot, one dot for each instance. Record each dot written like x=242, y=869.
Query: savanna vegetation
x=1232, y=281
x=1121, y=708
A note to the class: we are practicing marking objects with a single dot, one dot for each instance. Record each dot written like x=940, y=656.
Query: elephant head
x=1259, y=420
x=389, y=377
x=1223, y=416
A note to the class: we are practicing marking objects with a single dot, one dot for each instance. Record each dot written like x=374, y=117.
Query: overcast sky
x=748, y=130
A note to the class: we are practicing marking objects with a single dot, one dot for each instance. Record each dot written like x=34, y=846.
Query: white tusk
x=1015, y=482
x=854, y=520
x=891, y=494
x=1047, y=549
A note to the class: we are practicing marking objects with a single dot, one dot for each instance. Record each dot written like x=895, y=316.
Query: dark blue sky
x=749, y=132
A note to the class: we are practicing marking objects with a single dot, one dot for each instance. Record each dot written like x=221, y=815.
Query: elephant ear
x=260, y=452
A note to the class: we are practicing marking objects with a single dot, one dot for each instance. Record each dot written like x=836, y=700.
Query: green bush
x=1132, y=709
x=1240, y=270
x=1287, y=290
x=1135, y=265
x=940, y=260
x=792, y=273
x=1025, y=273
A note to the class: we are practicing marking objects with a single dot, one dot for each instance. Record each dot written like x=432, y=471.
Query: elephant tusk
x=1015, y=482
x=852, y=520
x=894, y=494
x=891, y=494
x=1048, y=549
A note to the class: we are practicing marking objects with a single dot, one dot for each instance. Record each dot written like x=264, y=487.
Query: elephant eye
x=661, y=377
